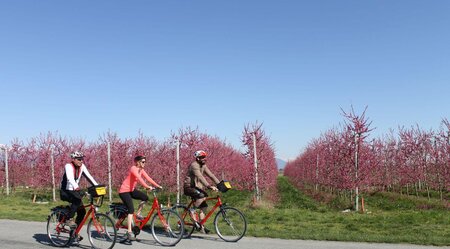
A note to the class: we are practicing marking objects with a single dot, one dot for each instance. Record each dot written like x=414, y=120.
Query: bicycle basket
x=96, y=191
x=224, y=186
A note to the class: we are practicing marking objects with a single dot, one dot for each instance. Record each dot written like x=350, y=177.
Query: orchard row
x=31, y=164
x=346, y=159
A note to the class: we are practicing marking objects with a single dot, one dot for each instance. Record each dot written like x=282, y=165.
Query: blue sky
x=83, y=68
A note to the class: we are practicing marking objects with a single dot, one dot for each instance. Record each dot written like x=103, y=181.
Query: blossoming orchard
x=36, y=163
x=344, y=161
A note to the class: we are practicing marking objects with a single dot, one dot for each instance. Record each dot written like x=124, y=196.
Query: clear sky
x=83, y=68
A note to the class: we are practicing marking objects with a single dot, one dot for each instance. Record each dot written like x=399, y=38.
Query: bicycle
x=166, y=225
x=229, y=223
x=100, y=229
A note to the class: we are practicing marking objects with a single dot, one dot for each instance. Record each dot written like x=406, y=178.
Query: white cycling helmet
x=199, y=153
x=76, y=154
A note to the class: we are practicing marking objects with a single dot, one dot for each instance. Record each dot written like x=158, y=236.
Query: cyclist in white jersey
x=70, y=189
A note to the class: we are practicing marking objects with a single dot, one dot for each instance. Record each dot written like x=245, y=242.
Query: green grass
x=402, y=222
x=391, y=218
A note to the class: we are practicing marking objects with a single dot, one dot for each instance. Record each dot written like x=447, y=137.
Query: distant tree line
x=30, y=163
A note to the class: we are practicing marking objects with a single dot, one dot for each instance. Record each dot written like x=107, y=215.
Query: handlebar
x=91, y=197
x=154, y=191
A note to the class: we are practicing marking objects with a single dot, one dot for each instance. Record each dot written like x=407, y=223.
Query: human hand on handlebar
x=214, y=188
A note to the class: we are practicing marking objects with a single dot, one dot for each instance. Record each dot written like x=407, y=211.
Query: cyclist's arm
x=148, y=178
x=88, y=175
x=211, y=175
x=135, y=173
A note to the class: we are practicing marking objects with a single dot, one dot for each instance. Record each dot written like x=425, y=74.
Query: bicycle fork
x=225, y=218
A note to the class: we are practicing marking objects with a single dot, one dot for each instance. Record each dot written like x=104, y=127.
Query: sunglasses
x=143, y=161
x=201, y=157
x=79, y=159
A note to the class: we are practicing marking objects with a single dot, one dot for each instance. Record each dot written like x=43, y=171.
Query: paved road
x=22, y=234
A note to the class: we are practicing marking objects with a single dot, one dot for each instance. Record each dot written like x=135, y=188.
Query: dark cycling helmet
x=199, y=153
x=76, y=154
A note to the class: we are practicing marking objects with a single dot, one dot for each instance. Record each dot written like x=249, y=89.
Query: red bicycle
x=100, y=229
x=229, y=223
x=166, y=226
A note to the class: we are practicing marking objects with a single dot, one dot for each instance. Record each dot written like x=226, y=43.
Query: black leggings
x=127, y=199
x=76, y=204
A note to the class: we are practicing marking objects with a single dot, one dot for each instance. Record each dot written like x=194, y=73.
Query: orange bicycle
x=165, y=226
x=100, y=229
x=229, y=223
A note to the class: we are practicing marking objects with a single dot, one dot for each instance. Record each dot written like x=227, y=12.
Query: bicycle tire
x=230, y=224
x=183, y=212
x=58, y=232
x=167, y=227
x=102, y=232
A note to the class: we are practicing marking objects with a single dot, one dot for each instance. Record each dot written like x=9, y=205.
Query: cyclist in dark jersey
x=195, y=183
x=70, y=190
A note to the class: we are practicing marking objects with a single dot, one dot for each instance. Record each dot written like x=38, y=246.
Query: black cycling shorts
x=195, y=193
x=127, y=199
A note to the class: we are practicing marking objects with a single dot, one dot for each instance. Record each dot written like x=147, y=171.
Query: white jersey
x=72, y=176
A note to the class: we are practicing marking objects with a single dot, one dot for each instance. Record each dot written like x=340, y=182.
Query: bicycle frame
x=90, y=214
x=142, y=223
x=101, y=230
x=218, y=204
x=165, y=225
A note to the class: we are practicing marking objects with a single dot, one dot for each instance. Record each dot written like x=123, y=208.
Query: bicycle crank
x=136, y=230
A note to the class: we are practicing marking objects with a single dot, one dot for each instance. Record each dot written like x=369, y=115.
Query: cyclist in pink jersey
x=128, y=191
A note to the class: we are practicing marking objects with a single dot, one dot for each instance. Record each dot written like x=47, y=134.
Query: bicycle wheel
x=101, y=232
x=230, y=224
x=58, y=233
x=167, y=227
x=183, y=212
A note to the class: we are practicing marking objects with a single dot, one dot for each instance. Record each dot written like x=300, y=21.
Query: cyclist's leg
x=128, y=202
x=139, y=195
x=75, y=202
x=192, y=210
x=203, y=206
x=199, y=197
x=200, y=203
x=81, y=212
x=195, y=196
x=203, y=209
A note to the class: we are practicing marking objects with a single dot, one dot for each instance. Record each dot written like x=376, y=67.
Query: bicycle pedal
x=75, y=241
